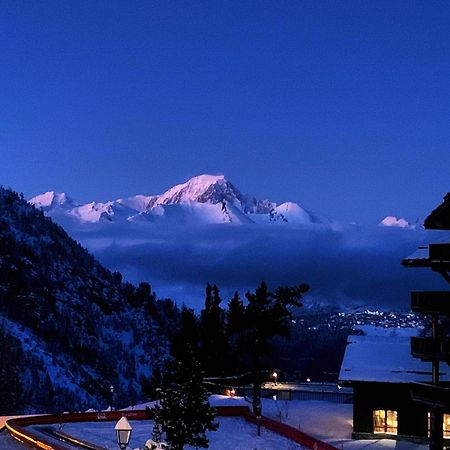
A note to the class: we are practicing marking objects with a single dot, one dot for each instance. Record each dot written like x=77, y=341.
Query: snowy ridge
x=139, y=202
x=52, y=199
x=204, y=199
x=94, y=212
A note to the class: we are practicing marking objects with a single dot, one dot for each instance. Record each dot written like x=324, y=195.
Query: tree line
x=218, y=343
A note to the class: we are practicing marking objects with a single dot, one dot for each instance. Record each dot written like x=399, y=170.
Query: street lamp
x=123, y=432
x=111, y=390
x=275, y=375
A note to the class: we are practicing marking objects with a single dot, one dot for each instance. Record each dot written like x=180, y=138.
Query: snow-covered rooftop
x=385, y=359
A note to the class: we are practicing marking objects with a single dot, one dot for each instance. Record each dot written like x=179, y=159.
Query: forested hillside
x=70, y=328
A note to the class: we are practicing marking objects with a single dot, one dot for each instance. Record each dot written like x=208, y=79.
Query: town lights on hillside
x=123, y=433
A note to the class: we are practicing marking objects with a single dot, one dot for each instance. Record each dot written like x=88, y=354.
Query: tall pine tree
x=235, y=325
x=184, y=413
x=214, y=340
x=266, y=315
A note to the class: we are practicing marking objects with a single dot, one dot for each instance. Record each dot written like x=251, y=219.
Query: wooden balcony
x=429, y=349
x=433, y=396
x=439, y=252
x=431, y=302
x=438, y=258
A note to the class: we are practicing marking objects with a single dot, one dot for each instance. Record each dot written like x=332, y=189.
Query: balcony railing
x=439, y=252
x=433, y=396
x=431, y=302
x=429, y=349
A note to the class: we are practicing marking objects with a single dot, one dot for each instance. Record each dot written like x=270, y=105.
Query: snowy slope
x=53, y=200
x=95, y=212
x=138, y=203
x=194, y=213
x=62, y=316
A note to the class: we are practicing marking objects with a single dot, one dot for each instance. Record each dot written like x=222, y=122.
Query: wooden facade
x=434, y=348
x=412, y=417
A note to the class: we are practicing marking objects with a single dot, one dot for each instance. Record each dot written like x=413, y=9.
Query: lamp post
x=111, y=390
x=123, y=432
x=275, y=376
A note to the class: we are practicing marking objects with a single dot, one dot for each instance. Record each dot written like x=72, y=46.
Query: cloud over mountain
x=348, y=266
x=206, y=230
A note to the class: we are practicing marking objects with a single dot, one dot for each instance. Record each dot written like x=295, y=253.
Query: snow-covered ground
x=330, y=422
x=233, y=434
x=9, y=443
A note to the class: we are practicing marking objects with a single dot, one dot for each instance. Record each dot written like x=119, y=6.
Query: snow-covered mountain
x=52, y=200
x=205, y=199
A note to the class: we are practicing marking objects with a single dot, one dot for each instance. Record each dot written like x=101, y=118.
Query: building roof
x=385, y=359
x=439, y=219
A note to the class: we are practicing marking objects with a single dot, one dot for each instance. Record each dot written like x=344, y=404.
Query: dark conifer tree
x=235, y=315
x=213, y=335
x=184, y=413
x=188, y=334
x=234, y=326
x=11, y=359
x=266, y=315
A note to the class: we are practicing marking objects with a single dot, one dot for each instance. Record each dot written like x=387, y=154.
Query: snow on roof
x=385, y=359
x=376, y=330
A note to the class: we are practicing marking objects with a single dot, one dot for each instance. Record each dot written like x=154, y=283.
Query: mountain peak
x=52, y=199
x=202, y=189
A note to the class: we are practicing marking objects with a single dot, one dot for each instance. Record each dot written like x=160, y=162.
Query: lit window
x=446, y=426
x=385, y=421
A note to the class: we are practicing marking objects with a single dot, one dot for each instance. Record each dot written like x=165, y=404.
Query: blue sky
x=342, y=106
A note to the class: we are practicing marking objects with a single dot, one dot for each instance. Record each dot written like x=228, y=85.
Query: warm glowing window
x=446, y=426
x=385, y=421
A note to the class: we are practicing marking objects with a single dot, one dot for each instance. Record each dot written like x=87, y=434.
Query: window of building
x=385, y=421
x=445, y=425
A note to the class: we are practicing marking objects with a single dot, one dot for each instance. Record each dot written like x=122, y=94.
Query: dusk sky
x=341, y=106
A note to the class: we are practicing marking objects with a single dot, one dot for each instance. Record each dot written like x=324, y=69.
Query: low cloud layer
x=351, y=266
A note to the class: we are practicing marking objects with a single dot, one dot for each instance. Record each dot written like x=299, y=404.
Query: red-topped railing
x=18, y=427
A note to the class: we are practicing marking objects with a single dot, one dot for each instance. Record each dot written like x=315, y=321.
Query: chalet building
x=382, y=372
x=401, y=385
x=435, y=394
